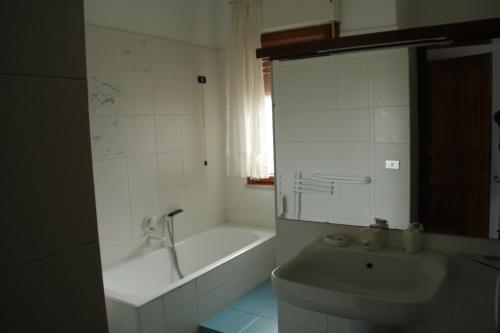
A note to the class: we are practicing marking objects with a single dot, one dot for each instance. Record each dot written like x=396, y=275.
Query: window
x=300, y=35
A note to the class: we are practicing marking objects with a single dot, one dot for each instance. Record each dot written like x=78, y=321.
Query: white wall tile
x=392, y=125
x=215, y=131
x=354, y=211
x=292, y=126
x=104, y=57
x=321, y=93
x=115, y=253
x=260, y=272
x=179, y=298
x=212, y=97
x=140, y=132
x=354, y=125
x=195, y=171
x=150, y=314
x=184, y=321
x=168, y=133
x=352, y=64
x=323, y=67
x=143, y=176
x=322, y=125
x=391, y=87
x=209, y=281
x=354, y=158
x=122, y=315
x=114, y=222
x=192, y=136
x=353, y=193
x=165, y=57
x=210, y=303
x=191, y=96
x=108, y=138
x=104, y=93
x=140, y=208
x=294, y=70
x=167, y=95
x=111, y=181
x=138, y=93
x=264, y=200
x=297, y=233
x=238, y=196
x=324, y=157
x=353, y=92
x=235, y=288
x=171, y=171
x=389, y=58
x=136, y=52
x=392, y=200
x=292, y=96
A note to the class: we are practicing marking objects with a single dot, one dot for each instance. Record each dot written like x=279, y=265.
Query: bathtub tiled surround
x=346, y=115
x=152, y=127
x=182, y=309
x=464, y=305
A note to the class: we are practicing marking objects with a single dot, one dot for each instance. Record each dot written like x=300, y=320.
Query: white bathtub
x=139, y=280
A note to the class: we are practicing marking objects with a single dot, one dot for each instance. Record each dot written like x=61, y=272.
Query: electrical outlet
x=392, y=165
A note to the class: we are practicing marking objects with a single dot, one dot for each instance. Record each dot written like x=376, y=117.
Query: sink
x=384, y=287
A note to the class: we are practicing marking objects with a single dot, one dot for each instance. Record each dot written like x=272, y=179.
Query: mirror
x=405, y=134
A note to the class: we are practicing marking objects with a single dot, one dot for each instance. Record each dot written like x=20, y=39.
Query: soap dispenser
x=412, y=237
x=376, y=235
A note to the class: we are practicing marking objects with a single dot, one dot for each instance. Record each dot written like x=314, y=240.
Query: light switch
x=392, y=165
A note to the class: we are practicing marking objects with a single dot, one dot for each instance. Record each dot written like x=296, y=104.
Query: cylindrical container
x=412, y=238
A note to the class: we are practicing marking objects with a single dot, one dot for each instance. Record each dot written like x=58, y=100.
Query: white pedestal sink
x=386, y=287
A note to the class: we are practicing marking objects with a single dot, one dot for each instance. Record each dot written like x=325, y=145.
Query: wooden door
x=458, y=146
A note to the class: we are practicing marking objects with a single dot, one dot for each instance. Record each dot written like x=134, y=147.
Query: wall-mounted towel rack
x=312, y=186
x=343, y=179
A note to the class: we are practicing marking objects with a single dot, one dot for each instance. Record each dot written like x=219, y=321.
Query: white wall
x=345, y=115
x=365, y=16
x=287, y=14
x=190, y=21
x=148, y=145
x=430, y=12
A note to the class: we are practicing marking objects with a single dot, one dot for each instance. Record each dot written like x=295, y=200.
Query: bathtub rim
x=264, y=234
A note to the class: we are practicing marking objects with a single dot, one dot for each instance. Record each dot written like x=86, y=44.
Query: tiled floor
x=254, y=312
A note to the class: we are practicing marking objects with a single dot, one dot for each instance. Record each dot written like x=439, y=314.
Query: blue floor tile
x=254, y=312
x=260, y=306
x=262, y=325
x=227, y=321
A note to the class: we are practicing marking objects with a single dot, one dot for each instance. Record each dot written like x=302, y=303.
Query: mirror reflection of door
x=456, y=145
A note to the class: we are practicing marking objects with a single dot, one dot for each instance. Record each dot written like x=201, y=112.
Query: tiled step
x=254, y=312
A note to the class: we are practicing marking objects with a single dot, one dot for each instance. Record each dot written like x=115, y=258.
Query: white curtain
x=247, y=150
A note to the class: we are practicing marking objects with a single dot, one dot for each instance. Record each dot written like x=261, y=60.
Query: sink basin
x=384, y=287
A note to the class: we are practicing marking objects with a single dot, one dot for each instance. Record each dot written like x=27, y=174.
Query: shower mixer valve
x=150, y=225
